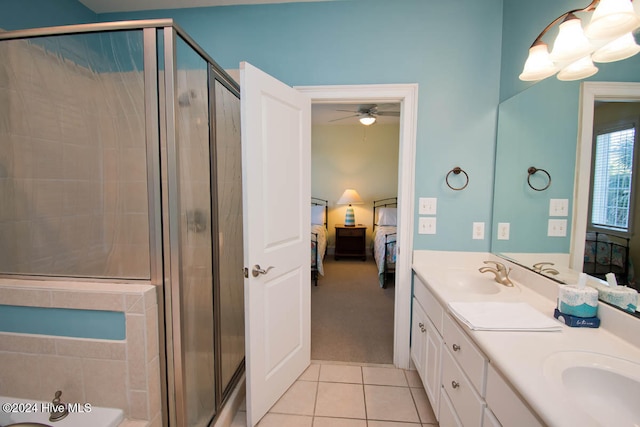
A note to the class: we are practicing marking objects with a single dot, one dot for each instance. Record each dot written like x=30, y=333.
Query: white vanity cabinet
x=462, y=386
x=426, y=341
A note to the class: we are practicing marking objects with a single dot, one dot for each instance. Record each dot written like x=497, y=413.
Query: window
x=611, y=198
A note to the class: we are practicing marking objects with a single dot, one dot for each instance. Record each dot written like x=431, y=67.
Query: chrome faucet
x=500, y=272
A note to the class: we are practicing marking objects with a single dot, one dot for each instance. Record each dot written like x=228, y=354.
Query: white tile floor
x=331, y=394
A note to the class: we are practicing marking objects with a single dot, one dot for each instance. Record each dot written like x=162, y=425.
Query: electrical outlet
x=427, y=225
x=503, y=230
x=558, y=207
x=427, y=205
x=557, y=228
x=478, y=230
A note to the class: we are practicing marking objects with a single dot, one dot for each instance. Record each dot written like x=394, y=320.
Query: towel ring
x=457, y=171
x=532, y=170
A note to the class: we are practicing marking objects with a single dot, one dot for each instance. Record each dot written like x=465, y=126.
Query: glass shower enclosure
x=120, y=160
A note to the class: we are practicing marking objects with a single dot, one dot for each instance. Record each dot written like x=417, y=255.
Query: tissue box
x=578, y=302
x=620, y=296
x=576, y=322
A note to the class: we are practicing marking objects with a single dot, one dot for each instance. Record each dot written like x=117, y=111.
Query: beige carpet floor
x=351, y=316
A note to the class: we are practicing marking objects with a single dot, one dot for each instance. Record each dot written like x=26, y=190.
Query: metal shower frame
x=164, y=239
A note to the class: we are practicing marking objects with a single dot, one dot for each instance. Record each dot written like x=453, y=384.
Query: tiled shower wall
x=73, y=192
x=107, y=373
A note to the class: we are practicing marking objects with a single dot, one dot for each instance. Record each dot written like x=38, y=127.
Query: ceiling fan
x=367, y=113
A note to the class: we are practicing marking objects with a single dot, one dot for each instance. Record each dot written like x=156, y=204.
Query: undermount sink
x=605, y=387
x=472, y=281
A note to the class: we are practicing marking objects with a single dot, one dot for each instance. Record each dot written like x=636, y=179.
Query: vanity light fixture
x=607, y=38
x=367, y=120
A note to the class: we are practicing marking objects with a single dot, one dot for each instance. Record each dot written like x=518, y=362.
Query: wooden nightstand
x=351, y=242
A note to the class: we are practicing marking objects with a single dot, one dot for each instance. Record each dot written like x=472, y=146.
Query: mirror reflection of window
x=612, y=177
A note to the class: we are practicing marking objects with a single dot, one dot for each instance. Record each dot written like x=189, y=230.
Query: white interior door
x=276, y=165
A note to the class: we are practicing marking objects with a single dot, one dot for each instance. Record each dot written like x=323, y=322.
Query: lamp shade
x=580, y=69
x=612, y=18
x=571, y=44
x=349, y=197
x=621, y=48
x=538, y=65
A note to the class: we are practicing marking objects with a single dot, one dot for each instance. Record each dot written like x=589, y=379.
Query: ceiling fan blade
x=388, y=113
x=348, y=111
x=342, y=118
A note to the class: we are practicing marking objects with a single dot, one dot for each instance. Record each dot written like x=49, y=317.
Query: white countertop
x=520, y=356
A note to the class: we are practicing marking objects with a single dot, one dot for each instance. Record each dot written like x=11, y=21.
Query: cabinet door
x=418, y=338
x=505, y=404
x=433, y=364
x=448, y=417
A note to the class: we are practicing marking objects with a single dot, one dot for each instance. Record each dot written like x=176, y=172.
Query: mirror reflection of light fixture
x=349, y=197
x=368, y=119
x=608, y=34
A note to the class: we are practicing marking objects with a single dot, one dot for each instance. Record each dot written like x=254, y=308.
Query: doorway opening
x=354, y=160
x=406, y=97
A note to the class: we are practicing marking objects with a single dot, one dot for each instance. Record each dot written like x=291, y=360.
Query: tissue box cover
x=578, y=302
x=577, y=322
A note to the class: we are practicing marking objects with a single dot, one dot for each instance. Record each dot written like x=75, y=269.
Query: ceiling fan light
x=571, y=44
x=580, y=69
x=611, y=19
x=367, y=120
x=621, y=48
x=538, y=65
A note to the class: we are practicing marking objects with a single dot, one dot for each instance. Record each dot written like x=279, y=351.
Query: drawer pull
x=422, y=327
x=455, y=347
x=455, y=384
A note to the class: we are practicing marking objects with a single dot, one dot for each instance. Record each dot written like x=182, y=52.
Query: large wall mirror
x=542, y=220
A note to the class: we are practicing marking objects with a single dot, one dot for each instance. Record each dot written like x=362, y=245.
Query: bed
x=385, y=221
x=606, y=253
x=319, y=233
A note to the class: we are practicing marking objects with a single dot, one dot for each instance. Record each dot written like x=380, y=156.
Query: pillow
x=387, y=216
x=317, y=215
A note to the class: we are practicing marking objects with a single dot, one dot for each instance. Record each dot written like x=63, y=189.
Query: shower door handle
x=258, y=271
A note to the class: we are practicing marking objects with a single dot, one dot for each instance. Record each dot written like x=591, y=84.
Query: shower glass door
x=194, y=199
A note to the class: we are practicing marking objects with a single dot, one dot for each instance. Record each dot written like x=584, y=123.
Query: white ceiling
x=107, y=6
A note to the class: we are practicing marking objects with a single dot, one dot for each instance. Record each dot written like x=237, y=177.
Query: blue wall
x=451, y=49
x=19, y=14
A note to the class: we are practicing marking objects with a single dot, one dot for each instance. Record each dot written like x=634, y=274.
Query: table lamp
x=349, y=197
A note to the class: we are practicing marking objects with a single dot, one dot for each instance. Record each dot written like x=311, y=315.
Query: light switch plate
x=557, y=228
x=478, y=230
x=427, y=225
x=427, y=205
x=558, y=207
x=503, y=230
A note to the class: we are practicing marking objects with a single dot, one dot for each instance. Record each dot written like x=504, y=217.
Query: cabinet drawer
x=429, y=302
x=467, y=403
x=465, y=353
x=507, y=406
x=351, y=232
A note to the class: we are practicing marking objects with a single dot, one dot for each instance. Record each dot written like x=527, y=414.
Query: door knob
x=258, y=271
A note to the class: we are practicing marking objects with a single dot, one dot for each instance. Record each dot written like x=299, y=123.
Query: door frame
x=407, y=96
